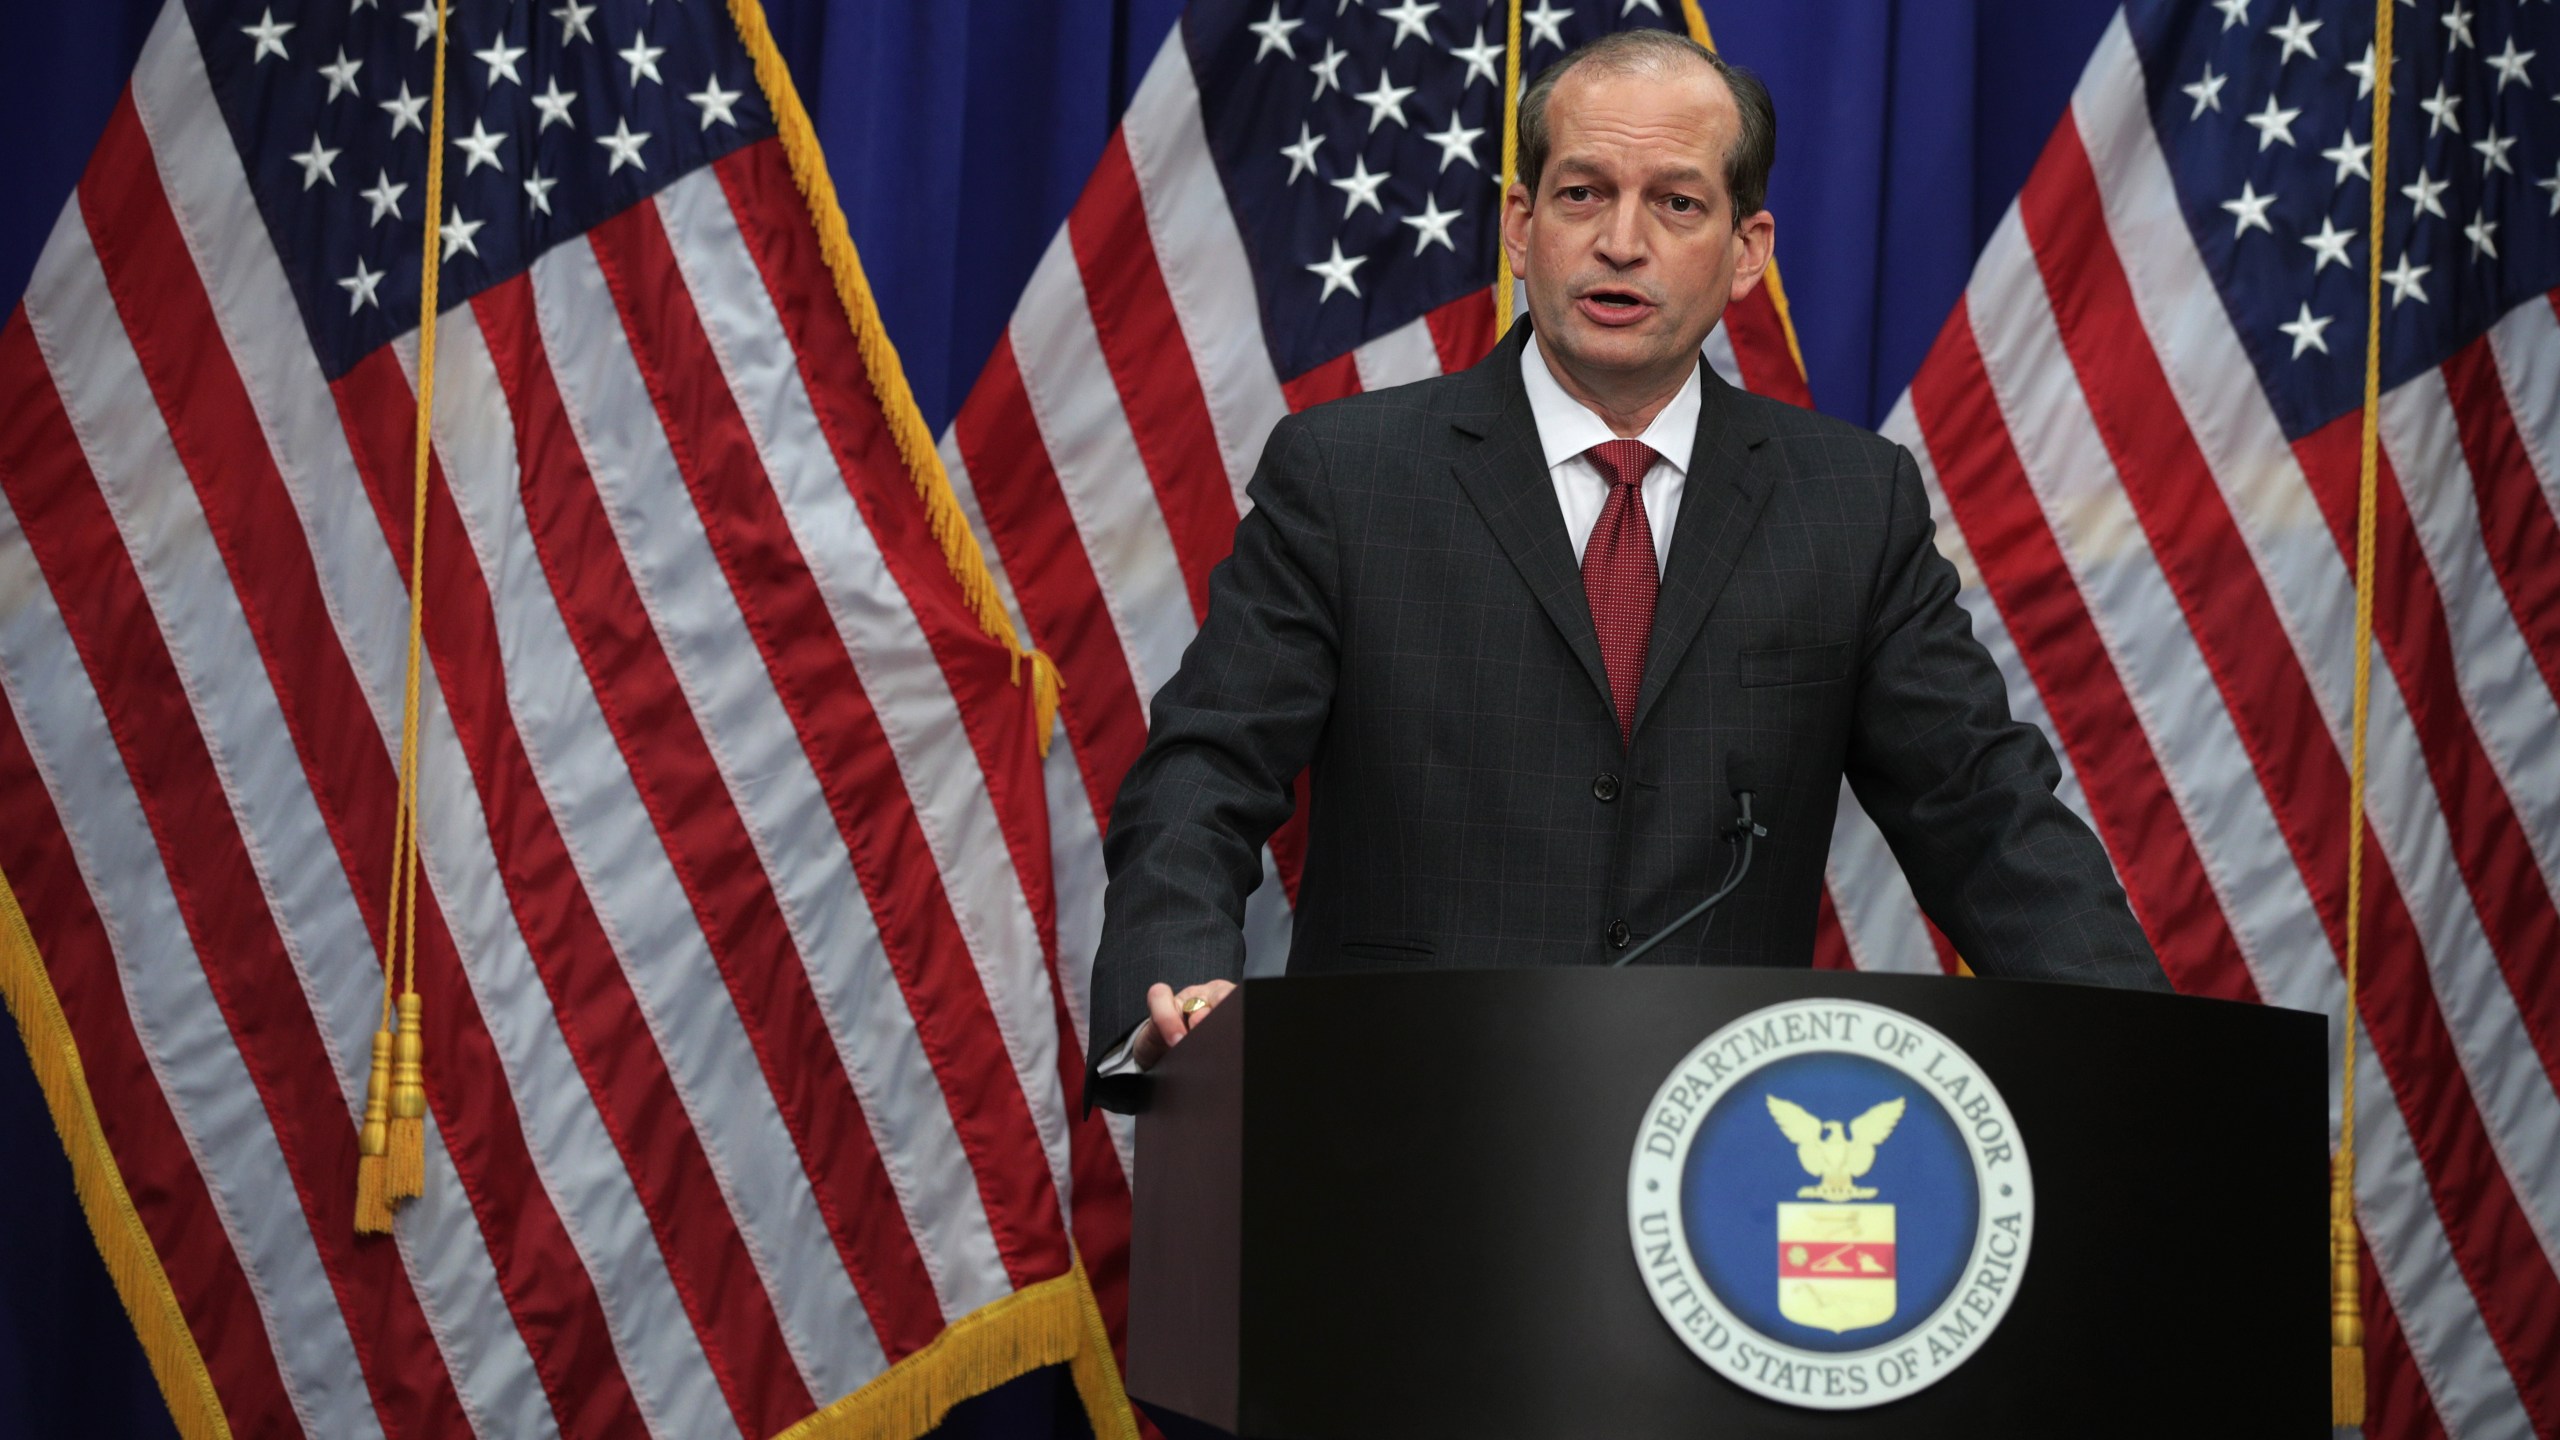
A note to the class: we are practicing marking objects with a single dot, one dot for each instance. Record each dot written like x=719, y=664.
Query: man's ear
x=1757, y=238
x=1515, y=227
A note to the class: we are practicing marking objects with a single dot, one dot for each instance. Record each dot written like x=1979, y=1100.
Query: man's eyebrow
x=1674, y=175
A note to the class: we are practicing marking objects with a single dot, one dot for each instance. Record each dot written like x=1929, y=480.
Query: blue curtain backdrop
x=960, y=132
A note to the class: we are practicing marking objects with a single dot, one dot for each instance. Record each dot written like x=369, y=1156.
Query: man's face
x=1629, y=249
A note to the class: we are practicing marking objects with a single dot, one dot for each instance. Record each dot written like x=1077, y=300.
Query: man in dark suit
x=1534, y=624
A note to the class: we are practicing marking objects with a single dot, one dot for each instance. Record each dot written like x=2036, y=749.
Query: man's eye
x=1682, y=205
x=1576, y=192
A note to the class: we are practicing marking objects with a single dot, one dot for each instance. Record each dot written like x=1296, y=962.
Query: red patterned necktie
x=1618, y=574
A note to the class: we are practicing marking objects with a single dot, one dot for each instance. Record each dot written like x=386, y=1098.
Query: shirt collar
x=1566, y=428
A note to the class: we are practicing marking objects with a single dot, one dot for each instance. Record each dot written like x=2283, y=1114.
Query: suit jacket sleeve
x=1964, y=793
x=1227, y=737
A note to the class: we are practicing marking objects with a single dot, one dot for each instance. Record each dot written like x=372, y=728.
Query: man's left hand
x=1170, y=1015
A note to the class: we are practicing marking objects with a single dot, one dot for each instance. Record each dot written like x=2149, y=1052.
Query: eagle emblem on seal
x=1832, y=1154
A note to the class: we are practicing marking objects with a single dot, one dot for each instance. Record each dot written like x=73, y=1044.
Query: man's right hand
x=1170, y=1015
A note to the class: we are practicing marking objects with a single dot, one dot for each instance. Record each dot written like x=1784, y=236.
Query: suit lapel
x=1505, y=473
x=1718, y=508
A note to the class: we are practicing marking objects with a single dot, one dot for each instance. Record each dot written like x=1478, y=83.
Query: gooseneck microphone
x=1742, y=834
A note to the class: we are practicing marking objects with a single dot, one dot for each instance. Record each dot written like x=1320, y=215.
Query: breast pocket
x=1386, y=950
x=1795, y=664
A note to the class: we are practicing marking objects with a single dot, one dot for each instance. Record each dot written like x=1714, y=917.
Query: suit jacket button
x=1604, y=786
x=1618, y=934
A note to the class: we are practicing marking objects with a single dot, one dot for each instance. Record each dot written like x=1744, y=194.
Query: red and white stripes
x=2174, y=579
x=746, y=1067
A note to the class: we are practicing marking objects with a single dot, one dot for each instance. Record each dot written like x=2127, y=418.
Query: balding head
x=1747, y=160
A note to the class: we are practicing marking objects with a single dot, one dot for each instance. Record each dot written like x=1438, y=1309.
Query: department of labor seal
x=1830, y=1203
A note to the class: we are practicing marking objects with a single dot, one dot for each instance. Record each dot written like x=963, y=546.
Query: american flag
x=744, y=1056
x=2139, y=433
x=2140, y=428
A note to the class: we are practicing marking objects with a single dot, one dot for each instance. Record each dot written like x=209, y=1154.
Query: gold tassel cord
x=943, y=515
x=2346, y=1317
x=373, y=1151
x=404, y=1171
x=133, y=1263
x=2346, y=1311
x=391, y=1153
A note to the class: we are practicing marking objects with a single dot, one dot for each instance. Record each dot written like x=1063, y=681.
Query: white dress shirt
x=1566, y=431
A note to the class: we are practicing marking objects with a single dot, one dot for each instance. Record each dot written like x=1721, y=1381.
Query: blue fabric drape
x=959, y=133
x=1904, y=130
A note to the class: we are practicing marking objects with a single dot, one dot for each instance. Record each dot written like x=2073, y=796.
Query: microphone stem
x=1732, y=872
x=1750, y=832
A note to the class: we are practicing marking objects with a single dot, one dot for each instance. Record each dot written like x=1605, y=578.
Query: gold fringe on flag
x=2346, y=1315
x=1055, y=1322
x=1778, y=301
x=950, y=525
x=1097, y=1374
x=133, y=1265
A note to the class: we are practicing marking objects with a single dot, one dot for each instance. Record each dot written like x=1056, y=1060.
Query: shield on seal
x=1835, y=1265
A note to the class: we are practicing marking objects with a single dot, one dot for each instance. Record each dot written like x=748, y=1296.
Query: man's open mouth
x=1615, y=307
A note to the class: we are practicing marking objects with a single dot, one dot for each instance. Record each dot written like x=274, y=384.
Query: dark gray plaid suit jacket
x=1403, y=611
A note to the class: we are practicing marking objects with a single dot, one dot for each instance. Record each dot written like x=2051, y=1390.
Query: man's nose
x=1621, y=241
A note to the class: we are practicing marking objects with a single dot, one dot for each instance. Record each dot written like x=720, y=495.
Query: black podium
x=1397, y=1205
